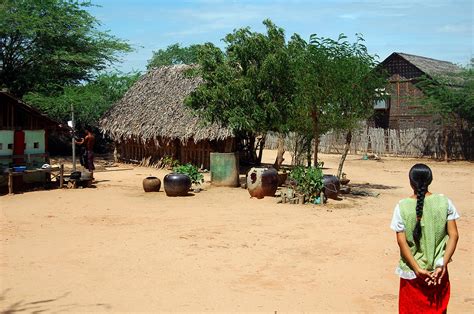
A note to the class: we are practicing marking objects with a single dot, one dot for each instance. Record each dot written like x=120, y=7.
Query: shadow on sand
x=46, y=305
x=373, y=186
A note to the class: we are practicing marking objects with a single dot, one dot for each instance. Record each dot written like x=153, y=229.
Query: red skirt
x=417, y=297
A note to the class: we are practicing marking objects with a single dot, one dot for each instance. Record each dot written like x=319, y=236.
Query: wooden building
x=398, y=111
x=151, y=121
x=23, y=133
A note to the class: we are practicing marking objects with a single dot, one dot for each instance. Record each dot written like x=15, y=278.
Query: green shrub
x=309, y=181
x=169, y=161
x=191, y=171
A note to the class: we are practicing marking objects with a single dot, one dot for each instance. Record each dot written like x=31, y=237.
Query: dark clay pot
x=331, y=187
x=262, y=182
x=282, y=177
x=151, y=184
x=177, y=184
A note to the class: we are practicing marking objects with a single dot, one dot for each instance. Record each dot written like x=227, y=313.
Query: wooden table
x=55, y=172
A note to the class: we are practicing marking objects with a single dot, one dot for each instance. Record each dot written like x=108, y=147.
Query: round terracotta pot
x=331, y=187
x=262, y=182
x=151, y=184
x=177, y=184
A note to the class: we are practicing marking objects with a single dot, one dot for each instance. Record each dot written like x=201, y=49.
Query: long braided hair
x=420, y=178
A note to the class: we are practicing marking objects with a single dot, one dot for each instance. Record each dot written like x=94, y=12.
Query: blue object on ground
x=19, y=168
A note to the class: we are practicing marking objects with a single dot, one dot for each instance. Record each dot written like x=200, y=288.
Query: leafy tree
x=336, y=85
x=316, y=82
x=174, y=54
x=48, y=44
x=90, y=100
x=450, y=98
x=250, y=86
x=360, y=85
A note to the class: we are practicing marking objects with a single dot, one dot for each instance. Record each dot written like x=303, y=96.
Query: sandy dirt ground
x=114, y=248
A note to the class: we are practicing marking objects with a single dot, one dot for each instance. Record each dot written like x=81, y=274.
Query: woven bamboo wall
x=416, y=142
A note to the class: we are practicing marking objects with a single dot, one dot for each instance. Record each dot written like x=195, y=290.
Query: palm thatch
x=153, y=108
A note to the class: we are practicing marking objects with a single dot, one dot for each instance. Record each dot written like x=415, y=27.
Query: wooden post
x=61, y=176
x=10, y=182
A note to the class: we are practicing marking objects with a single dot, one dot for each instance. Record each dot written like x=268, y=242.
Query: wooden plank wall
x=135, y=150
x=14, y=117
x=198, y=154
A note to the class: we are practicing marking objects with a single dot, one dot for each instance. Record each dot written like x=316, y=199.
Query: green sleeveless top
x=433, y=229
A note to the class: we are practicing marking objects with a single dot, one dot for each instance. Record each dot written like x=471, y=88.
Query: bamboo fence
x=417, y=142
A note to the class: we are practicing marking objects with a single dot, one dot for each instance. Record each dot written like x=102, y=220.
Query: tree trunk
x=309, y=142
x=261, y=144
x=281, y=151
x=314, y=116
x=445, y=143
x=347, y=147
x=295, y=157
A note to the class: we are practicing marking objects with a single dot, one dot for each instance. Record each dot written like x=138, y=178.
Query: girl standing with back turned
x=427, y=235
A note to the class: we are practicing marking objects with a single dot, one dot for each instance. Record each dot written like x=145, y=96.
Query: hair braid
x=420, y=200
x=420, y=178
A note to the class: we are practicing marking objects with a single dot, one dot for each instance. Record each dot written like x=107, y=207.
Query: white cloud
x=455, y=28
x=348, y=16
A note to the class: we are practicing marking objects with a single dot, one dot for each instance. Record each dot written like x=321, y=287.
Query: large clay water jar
x=224, y=169
x=331, y=187
x=262, y=182
x=177, y=184
x=151, y=184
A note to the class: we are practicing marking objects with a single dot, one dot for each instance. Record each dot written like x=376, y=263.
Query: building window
x=10, y=146
x=36, y=145
x=1, y=146
x=382, y=104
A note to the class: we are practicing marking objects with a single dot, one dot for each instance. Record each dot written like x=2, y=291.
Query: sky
x=431, y=28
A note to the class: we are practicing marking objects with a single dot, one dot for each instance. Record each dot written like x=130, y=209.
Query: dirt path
x=115, y=248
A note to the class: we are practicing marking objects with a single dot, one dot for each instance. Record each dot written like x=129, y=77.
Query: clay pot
x=331, y=187
x=282, y=177
x=151, y=184
x=262, y=182
x=345, y=181
x=177, y=184
x=75, y=175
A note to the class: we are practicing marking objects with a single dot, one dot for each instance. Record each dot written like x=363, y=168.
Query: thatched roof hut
x=153, y=107
x=151, y=120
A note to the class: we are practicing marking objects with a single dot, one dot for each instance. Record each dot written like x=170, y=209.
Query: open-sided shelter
x=152, y=122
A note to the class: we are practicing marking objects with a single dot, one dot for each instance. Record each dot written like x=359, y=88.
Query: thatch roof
x=153, y=107
x=429, y=66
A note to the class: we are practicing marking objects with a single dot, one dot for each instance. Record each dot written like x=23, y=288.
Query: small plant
x=309, y=181
x=169, y=162
x=191, y=171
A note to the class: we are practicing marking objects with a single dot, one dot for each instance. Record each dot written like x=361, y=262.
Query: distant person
x=427, y=235
x=88, y=141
